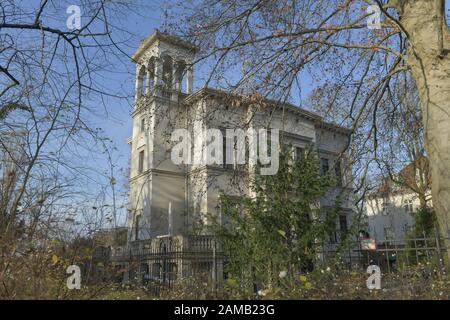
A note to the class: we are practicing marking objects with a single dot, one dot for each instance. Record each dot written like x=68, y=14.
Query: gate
x=157, y=264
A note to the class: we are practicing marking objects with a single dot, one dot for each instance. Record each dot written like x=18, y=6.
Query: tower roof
x=161, y=36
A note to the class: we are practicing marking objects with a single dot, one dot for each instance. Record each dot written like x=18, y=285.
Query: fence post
x=426, y=245
x=416, y=251
x=214, y=275
x=438, y=248
x=387, y=257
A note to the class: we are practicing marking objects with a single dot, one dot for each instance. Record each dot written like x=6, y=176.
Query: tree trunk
x=429, y=60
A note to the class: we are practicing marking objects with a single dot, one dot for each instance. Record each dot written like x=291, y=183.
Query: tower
x=164, y=77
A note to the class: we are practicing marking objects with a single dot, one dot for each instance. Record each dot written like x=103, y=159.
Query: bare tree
x=50, y=74
x=402, y=157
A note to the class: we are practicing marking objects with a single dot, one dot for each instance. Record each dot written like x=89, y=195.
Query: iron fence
x=159, y=263
x=390, y=255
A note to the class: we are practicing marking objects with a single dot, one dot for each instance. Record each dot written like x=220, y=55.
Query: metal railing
x=390, y=255
x=160, y=92
x=158, y=263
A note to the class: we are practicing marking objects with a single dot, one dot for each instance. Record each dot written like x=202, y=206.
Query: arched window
x=141, y=82
x=136, y=227
x=151, y=74
x=167, y=72
x=180, y=76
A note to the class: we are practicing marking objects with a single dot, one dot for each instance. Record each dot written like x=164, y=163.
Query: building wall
x=167, y=182
x=388, y=218
x=192, y=191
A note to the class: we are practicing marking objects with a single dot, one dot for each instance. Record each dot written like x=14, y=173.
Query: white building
x=391, y=207
x=173, y=200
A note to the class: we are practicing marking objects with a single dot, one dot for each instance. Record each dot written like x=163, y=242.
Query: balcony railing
x=161, y=92
x=191, y=244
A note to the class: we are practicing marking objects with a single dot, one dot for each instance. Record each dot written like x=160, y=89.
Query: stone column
x=189, y=80
x=138, y=83
x=157, y=80
x=158, y=72
x=148, y=74
x=175, y=77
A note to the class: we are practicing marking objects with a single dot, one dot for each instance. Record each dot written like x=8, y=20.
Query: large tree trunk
x=429, y=59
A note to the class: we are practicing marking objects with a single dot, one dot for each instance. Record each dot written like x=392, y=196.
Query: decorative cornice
x=317, y=119
x=296, y=136
x=161, y=36
x=328, y=152
x=333, y=127
x=157, y=172
x=216, y=168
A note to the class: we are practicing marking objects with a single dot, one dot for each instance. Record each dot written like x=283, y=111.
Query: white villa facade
x=172, y=200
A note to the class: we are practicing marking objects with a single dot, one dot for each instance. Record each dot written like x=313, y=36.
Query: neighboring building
x=12, y=144
x=111, y=237
x=12, y=160
x=172, y=202
x=390, y=208
x=105, y=240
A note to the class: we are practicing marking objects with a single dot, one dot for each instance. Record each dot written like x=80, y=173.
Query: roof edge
x=162, y=36
x=319, y=121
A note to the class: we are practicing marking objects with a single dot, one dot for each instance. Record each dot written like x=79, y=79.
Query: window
x=136, y=227
x=227, y=209
x=142, y=124
x=343, y=224
x=298, y=152
x=167, y=72
x=325, y=165
x=141, y=82
x=151, y=74
x=141, y=162
x=224, y=150
x=338, y=173
x=408, y=206
x=332, y=237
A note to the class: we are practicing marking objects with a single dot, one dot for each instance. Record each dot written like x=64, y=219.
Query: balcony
x=161, y=93
x=185, y=246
